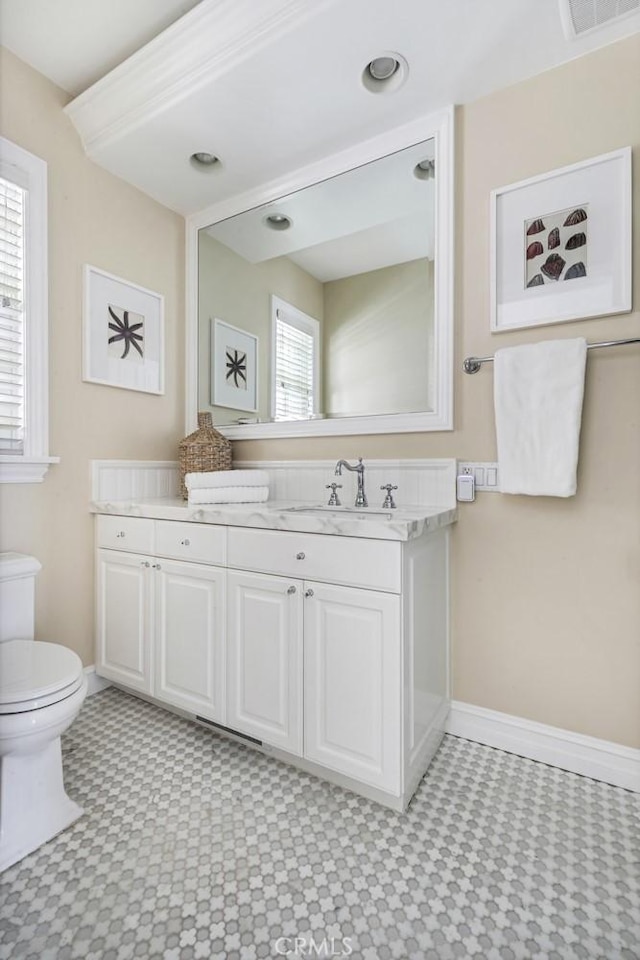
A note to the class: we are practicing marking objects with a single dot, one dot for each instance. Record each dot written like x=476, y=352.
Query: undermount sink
x=352, y=513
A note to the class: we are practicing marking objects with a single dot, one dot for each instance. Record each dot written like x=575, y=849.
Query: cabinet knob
x=186, y=543
x=308, y=593
x=156, y=566
x=300, y=556
x=291, y=589
x=120, y=533
x=145, y=563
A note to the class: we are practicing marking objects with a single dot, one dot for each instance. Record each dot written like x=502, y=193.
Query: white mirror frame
x=440, y=127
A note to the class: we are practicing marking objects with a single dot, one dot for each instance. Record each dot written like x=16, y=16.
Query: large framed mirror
x=323, y=304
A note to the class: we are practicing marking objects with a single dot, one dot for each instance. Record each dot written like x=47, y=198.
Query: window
x=23, y=316
x=295, y=363
x=12, y=204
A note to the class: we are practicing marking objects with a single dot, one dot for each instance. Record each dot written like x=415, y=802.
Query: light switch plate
x=485, y=474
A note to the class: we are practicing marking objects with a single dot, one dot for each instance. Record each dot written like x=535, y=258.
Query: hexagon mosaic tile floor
x=193, y=846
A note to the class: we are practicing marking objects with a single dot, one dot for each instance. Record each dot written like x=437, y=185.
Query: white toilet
x=42, y=687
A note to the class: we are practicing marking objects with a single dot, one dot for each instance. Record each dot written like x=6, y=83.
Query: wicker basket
x=203, y=450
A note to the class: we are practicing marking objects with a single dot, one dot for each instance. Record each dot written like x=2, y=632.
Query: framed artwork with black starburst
x=123, y=333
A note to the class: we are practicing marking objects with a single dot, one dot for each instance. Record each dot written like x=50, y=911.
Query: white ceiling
x=280, y=87
x=76, y=42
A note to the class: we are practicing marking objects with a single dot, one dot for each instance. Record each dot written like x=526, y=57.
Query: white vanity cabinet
x=329, y=651
x=160, y=621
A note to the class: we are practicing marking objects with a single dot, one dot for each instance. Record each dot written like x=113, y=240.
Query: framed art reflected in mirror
x=234, y=370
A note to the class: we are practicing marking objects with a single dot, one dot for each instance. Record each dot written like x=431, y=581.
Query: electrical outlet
x=485, y=475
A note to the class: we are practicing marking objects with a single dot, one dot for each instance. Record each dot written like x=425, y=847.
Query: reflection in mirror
x=321, y=305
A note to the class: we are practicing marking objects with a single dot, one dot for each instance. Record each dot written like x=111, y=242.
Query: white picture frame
x=561, y=244
x=123, y=333
x=234, y=367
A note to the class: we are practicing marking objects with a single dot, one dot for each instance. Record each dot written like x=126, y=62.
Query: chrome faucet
x=361, y=498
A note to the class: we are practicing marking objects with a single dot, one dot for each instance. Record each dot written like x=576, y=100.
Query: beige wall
x=93, y=218
x=546, y=593
x=378, y=341
x=232, y=289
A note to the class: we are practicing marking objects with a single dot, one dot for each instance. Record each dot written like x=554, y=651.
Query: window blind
x=12, y=268
x=293, y=372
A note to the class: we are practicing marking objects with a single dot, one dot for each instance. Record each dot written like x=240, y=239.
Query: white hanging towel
x=538, y=391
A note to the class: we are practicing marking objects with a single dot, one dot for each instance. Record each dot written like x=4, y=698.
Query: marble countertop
x=403, y=523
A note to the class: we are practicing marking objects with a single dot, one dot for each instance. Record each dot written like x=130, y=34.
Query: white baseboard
x=588, y=756
x=95, y=683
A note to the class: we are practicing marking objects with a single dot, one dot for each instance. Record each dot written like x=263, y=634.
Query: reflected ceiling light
x=425, y=170
x=385, y=73
x=202, y=160
x=278, y=221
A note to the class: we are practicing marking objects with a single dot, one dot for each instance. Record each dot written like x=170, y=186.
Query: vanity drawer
x=349, y=560
x=201, y=542
x=125, y=533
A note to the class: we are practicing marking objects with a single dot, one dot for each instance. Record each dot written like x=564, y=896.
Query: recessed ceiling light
x=202, y=160
x=278, y=221
x=385, y=73
x=383, y=67
x=425, y=170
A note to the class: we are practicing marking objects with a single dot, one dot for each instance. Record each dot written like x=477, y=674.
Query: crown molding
x=202, y=45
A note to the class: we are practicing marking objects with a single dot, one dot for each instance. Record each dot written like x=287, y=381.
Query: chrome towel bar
x=473, y=364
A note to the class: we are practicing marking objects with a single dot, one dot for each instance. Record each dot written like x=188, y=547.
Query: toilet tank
x=17, y=595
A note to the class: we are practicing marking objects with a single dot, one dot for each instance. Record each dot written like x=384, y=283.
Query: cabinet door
x=352, y=670
x=189, y=636
x=123, y=619
x=264, y=666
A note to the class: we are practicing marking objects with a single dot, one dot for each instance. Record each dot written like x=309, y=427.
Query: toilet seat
x=34, y=674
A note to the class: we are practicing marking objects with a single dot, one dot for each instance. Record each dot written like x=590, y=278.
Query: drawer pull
x=291, y=589
x=300, y=556
x=308, y=593
x=186, y=543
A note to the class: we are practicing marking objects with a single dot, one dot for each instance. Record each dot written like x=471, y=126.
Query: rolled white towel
x=226, y=478
x=229, y=495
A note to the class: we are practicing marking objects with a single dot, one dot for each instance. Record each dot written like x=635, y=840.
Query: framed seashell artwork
x=561, y=244
x=560, y=234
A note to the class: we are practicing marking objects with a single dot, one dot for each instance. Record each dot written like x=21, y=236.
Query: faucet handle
x=334, y=500
x=389, y=502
